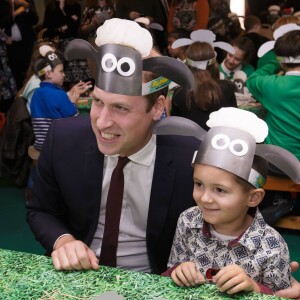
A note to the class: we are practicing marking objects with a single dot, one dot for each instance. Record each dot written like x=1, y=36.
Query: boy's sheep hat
x=121, y=57
x=234, y=138
x=279, y=32
x=48, y=60
x=202, y=35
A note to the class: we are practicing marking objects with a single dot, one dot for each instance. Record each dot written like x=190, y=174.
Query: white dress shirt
x=138, y=174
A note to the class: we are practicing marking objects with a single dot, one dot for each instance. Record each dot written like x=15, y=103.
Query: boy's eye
x=220, y=190
x=197, y=183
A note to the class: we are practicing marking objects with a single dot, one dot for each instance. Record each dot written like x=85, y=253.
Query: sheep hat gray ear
x=232, y=142
x=124, y=48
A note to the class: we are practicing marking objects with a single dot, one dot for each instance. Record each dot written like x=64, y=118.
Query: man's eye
x=97, y=101
x=198, y=184
x=122, y=108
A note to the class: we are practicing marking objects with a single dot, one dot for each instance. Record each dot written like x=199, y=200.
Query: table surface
x=247, y=102
x=29, y=276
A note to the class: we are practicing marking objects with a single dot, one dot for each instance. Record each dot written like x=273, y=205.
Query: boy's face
x=223, y=201
x=121, y=123
x=57, y=75
x=232, y=61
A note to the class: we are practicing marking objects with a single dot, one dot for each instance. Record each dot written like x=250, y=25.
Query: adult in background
x=189, y=15
x=154, y=10
x=252, y=26
x=23, y=38
x=62, y=20
x=8, y=86
x=95, y=13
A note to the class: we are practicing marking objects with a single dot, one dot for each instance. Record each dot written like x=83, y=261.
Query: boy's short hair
x=151, y=98
x=288, y=45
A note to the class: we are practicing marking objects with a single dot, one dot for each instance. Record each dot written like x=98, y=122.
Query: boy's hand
x=187, y=274
x=79, y=88
x=232, y=279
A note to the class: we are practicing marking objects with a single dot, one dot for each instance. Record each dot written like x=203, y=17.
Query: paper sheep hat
x=122, y=56
x=231, y=142
x=202, y=35
x=279, y=32
x=49, y=59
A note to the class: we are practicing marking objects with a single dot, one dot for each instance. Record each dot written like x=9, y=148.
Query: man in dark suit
x=68, y=206
x=67, y=193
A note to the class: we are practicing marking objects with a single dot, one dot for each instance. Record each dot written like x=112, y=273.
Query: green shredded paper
x=25, y=276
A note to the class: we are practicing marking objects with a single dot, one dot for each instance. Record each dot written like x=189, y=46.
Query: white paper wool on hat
x=126, y=33
x=240, y=119
x=45, y=49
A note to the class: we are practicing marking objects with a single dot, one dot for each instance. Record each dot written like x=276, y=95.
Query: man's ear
x=255, y=197
x=158, y=107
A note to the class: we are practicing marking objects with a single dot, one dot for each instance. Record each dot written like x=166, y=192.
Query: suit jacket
x=67, y=188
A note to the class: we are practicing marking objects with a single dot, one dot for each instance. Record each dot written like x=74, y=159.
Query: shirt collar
x=250, y=238
x=145, y=156
x=227, y=71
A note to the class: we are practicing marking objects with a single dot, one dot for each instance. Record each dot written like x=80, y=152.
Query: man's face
x=121, y=123
x=232, y=61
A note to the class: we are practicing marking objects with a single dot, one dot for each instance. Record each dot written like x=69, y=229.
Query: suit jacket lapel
x=93, y=174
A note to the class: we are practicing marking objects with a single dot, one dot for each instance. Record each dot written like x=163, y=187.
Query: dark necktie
x=108, y=256
x=231, y=75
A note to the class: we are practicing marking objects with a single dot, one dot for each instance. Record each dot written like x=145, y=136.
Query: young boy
x=225, y=234
x=50, y=101
x=280, y=95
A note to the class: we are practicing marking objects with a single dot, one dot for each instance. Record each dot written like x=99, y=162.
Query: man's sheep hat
x=121, y=57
